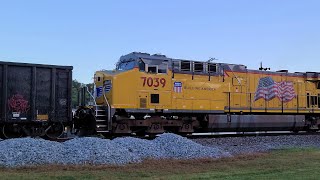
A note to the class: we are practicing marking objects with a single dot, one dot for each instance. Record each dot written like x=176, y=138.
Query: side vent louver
x=143, y=102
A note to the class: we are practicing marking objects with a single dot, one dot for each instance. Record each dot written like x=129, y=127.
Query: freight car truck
x=35, y=100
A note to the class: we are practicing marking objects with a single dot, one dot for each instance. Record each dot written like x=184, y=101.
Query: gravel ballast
x=97, y=151
x=252, y=144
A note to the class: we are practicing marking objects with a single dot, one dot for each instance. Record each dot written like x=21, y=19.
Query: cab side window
x=198, y=67
x=176, y=65
x=154, y=98
x=162, y=68
x=157, y=68
x=212, y=68
x=142, y=66
x=185, y=66
x=152, y=69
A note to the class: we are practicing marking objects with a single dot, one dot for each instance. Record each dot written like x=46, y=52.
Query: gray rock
x=90, y=150
x=174, y=146
x=252, y=144
x=29, y=151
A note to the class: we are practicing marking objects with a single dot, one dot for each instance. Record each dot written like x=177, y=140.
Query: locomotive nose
x=107, y=85
x=103, y=87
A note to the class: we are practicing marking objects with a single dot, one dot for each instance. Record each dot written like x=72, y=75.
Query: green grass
x=279, y=164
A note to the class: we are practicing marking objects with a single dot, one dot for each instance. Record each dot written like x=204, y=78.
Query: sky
x=92, y=35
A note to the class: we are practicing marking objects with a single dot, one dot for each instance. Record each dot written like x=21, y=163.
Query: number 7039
x=153, y=82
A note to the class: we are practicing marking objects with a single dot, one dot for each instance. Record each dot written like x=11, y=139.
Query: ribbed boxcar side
x=33, y=96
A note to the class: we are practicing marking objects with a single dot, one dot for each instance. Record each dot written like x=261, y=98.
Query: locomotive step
x=100, y=115
x=102, y=131
x=100, y=110
x=101, y=125
x=101, y=120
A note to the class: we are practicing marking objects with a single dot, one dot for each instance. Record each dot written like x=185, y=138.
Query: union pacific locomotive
x=151, y=94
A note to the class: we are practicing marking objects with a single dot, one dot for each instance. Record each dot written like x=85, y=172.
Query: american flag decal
x=269, y=89
x=177, y=87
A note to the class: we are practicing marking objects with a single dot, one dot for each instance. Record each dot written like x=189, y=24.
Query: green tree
x=76, y=89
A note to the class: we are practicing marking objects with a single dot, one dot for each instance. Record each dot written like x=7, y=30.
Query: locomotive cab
x=138, y=86
x=144, y=86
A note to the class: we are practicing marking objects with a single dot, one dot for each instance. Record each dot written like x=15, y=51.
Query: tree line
x=76, y=89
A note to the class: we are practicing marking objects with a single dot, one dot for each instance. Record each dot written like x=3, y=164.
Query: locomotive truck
x=152, y=94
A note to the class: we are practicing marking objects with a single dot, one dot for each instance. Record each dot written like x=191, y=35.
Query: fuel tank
x=256, y=122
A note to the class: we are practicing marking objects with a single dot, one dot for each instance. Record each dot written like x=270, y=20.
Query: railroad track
x=219, y=135
x=207, y=135
x=247, y=134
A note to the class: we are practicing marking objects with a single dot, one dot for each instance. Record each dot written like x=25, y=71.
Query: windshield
x=126, y=65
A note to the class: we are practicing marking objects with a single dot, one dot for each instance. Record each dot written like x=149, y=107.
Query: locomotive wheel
x=54, y=130
x=12, y=131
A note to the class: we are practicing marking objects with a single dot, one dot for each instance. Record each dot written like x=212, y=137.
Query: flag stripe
x=268, y=89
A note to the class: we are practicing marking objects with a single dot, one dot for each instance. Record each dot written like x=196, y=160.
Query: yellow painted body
x=233, y=92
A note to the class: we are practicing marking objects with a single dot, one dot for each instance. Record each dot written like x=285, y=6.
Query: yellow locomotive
x=154, y=94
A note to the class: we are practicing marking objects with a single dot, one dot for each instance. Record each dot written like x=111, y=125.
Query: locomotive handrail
x=94, y=100
x=297, y=106
x=109, y=109
x=236, y=77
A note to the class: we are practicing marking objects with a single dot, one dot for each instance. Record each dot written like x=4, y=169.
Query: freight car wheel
x=12, y=131
x=54, y=130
